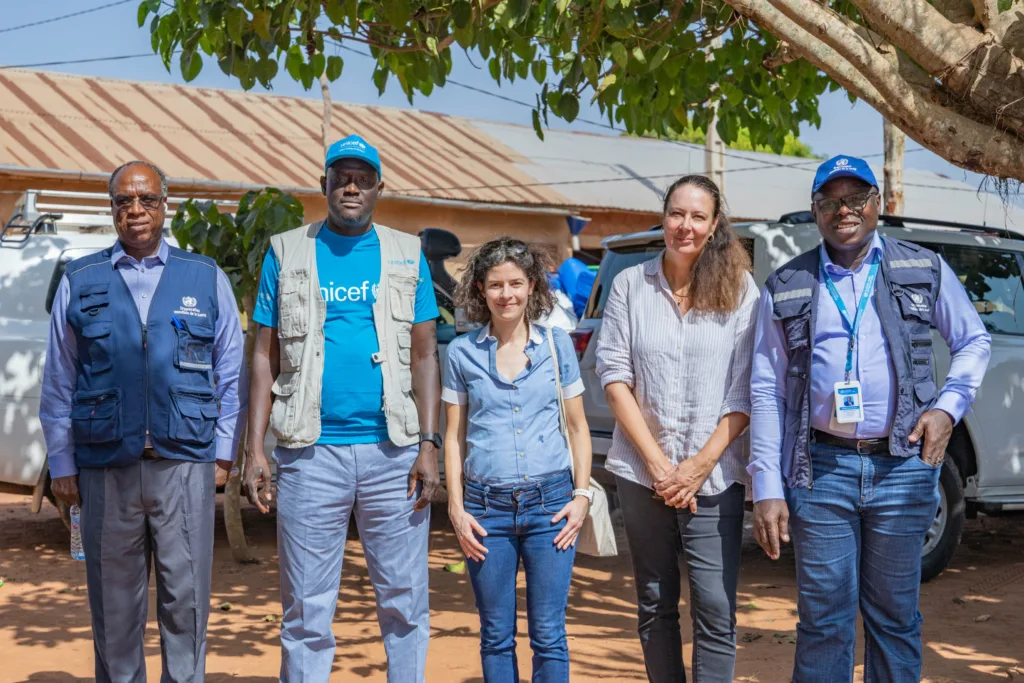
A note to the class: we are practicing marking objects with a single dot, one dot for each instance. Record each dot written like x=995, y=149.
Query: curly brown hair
x=533, y=261
x=717, y=281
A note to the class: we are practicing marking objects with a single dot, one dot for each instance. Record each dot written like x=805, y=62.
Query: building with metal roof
x=476, y=178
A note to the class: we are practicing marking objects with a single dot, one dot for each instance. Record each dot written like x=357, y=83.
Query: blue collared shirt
x=512, y=432
x=954, y=317
x=61, y=374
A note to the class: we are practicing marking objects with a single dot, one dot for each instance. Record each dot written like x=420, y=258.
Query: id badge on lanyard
x=847, y=396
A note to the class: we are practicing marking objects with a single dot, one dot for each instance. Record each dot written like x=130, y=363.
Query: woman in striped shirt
x=674, y=358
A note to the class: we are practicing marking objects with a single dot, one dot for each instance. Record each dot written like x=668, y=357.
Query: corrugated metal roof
x=76, y=123
x=628, y=173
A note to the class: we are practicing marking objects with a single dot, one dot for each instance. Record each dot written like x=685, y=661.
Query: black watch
x=434, y=438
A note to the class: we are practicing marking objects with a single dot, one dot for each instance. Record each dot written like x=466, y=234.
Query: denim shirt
x=512, y=433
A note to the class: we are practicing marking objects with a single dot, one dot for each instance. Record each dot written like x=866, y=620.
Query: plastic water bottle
x=77, y=552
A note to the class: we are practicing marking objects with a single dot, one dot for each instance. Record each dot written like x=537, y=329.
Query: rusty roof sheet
x=79, y=123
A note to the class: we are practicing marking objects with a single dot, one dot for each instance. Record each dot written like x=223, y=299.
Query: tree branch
x=783, y=54
x=964, y=142
x=957, y=11
x=986, y=11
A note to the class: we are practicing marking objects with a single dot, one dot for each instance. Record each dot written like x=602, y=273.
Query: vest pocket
x=402, y=290
x=193, y=415
x=282, y=412
x=925, y=394
x=293, y=303
x=194, y=350
x=405, y=347
x=98, y=336
x=92, y=297
x=96, y=416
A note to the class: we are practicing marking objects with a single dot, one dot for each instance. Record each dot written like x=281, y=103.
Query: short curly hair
x=533, y=261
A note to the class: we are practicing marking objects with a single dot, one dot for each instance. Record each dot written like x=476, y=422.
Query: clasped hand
x=679, y=485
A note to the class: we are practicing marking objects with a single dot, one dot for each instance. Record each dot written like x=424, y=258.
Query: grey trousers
x=710, y=542
x=152, y=512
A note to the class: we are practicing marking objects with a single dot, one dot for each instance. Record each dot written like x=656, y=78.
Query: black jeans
x=710, y=542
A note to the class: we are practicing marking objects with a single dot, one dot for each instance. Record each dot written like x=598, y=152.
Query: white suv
x=984, y=467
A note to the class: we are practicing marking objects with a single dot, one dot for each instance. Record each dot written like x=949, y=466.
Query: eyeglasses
x=854, y=202
x=150, y=202
x=364, y=181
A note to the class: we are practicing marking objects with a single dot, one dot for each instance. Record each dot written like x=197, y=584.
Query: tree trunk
x=895, y=145
x=233, y=490
x=325, y=126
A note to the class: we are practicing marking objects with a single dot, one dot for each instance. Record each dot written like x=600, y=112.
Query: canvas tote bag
x=597, y=536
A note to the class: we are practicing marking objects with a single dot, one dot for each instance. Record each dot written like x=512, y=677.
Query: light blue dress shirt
x=61, y=373
x=513, y=433
x=954, y=317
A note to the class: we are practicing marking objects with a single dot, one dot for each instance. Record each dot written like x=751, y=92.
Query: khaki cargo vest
x=295, y=416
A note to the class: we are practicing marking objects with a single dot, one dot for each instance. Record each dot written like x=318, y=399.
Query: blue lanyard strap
x=865, y=296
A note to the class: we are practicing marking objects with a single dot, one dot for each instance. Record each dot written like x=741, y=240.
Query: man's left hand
x=935, y=426
x=223, y=472
x=425, y=470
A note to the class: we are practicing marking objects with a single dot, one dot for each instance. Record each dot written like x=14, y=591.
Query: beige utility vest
x=295, y=416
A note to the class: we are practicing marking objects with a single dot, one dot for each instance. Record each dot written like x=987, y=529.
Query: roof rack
x=53, y=211
x=901, y=221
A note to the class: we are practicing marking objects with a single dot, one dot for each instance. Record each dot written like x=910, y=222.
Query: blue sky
x=852, y=129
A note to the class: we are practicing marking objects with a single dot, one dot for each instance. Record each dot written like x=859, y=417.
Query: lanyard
x=854, y=325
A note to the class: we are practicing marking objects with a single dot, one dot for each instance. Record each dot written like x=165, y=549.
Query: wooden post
x=325, y=126
x=233, y=489
x=895, y=145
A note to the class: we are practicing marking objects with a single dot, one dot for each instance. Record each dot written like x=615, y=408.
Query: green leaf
x=536, y=124
x=317, y=64
x=607, y=81
x=293, y=63
x=619, y=55
x=432, y=45
x=562, y=6
x=334, y=67
x=568, y=106
x=191, y=64
x=143, y=12
x=659, y=57
x=380, y=79
x=266, y=70
x=462, y=13
x=335, y=12
x=494, y=66
x=522, y=69
x=540, y=70
x=261, y=23
x=306, y=76
x=638, y=55
x=235, y=22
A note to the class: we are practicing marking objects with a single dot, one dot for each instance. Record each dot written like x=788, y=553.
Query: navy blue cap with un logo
x=843, y=166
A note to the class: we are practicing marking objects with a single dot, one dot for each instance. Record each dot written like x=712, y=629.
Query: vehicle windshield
x=613, y=263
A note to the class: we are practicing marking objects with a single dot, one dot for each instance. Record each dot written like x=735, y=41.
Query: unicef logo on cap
x=843, y=162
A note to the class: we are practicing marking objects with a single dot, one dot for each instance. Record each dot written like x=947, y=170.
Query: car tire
x=943, y=537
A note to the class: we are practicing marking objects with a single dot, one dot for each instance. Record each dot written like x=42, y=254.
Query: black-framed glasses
x=854, y=202
x=364, y=181
x=150, y=202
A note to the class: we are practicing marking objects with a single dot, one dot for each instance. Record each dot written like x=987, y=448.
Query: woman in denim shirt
x=514, y=497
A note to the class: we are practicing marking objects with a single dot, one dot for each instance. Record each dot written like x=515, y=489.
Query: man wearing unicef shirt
x=345, y=371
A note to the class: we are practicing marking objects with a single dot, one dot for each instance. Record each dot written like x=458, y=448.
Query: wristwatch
x=586, y=493
x=433, y=438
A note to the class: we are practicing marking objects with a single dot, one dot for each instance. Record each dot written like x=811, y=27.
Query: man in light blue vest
x=848, y=429
x=143, y=383
x=345, y=371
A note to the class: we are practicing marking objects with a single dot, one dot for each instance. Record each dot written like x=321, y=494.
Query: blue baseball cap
x=843, y=166
x=353, y=147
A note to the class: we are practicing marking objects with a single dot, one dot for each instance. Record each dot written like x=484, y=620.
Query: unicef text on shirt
x=338, y=294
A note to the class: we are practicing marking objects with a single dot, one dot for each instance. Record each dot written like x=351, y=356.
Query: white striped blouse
x=686, y=372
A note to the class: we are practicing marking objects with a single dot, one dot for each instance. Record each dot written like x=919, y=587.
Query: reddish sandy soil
x=974, y=612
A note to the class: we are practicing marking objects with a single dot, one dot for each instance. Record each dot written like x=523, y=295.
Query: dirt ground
x=973, y=630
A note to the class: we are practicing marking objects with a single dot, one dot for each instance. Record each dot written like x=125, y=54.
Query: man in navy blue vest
x=848, y=429
x=143, y=383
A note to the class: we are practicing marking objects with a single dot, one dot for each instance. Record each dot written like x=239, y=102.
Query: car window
x=992, y=278
x=613, y=263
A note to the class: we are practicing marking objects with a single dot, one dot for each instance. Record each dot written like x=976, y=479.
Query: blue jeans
x=318, y=489
x=858, y=534
x=518, y=524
